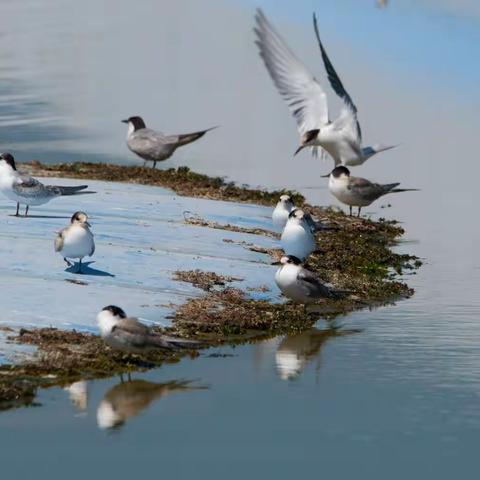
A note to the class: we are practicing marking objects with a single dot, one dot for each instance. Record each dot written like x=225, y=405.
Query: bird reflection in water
x=128, y=399
x=78, y=393
x=296, y=351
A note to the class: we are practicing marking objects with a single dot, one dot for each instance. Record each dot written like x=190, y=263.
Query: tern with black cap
x=307, y=100
x=356, y=191
x=130, y=335
x=155, y=146
x=300, y=284
x=28, y=191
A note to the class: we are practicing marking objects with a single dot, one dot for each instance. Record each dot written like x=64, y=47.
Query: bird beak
x=325, y=176
x=124, y=121
x=299, y=149
x=276, y=263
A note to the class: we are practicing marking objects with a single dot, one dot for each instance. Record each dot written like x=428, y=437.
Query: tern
x=282, y=210
x=300, y=284
x=307, y=100
x=155, y=146
x=356, y=191
x=27, y=190
x=297, y=237
x=76, y=240
x=132, y=336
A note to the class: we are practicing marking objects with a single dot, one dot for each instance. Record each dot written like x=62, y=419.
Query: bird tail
x=396, y=190
x=70, y=190
x=191, y=137
x=173, y=343
x=368, y=152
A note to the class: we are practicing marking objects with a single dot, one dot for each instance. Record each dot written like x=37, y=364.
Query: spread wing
x=350, y=113
x=303, y=94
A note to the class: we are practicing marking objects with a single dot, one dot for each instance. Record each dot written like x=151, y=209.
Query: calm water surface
x=396, y=392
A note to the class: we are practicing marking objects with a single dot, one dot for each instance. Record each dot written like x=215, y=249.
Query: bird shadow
x=39, y=216
x=87, y=270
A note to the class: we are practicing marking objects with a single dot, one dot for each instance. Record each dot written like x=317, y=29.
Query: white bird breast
x=297, y=240
x=77, y=242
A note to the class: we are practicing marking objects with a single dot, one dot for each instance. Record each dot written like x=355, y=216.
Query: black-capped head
x=290, y=259
x=297, y=213
x=307, y=139
x=136, y=121
x=337, y=172
x=8, y=158
x=115, y=311
x=80, y=217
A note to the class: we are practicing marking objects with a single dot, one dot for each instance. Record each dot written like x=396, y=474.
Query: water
x=397, y=396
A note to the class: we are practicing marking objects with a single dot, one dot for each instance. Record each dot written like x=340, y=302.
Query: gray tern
x=300, y=284
x=155, y=146
x=307, y=100
x=26, y=190
x=76, y=240
x=356, y=191
x=130, y=335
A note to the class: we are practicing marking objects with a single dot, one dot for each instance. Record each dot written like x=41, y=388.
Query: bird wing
x=298, y=87
x=312, y=284
x=132, y=331
x=350, y=112
x=59, y=240
x=366, y=189
x=149, y=143
x=29, y=187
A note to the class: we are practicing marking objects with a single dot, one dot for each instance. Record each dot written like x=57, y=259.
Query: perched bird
x=300, y=284
x=128, y=399
x=129, y=335
x=27, y=190
x=282, y=211
x=356, y=191
x=155, y=146
x=307, y=100
x=297, y=237
x=76, y=240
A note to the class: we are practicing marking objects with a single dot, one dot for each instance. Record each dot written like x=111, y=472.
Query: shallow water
x=396, y=396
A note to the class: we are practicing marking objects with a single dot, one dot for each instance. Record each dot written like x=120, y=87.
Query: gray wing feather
x=29, y=187
x=369, y=190
x=59, y=241
x=151, y=145
x=313, y=286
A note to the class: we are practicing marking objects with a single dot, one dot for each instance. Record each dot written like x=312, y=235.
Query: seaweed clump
x=181, y=180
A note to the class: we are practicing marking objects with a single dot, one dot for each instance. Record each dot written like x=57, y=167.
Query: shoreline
x=356, y=256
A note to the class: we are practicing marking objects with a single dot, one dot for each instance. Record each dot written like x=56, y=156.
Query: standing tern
x=129, y=335
x=27, y=190
x=356, y=191
x=300, y=284
x=307, y=100
x=76, y=240
x=155, y=146
x=282, y=210
x=297, y=237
